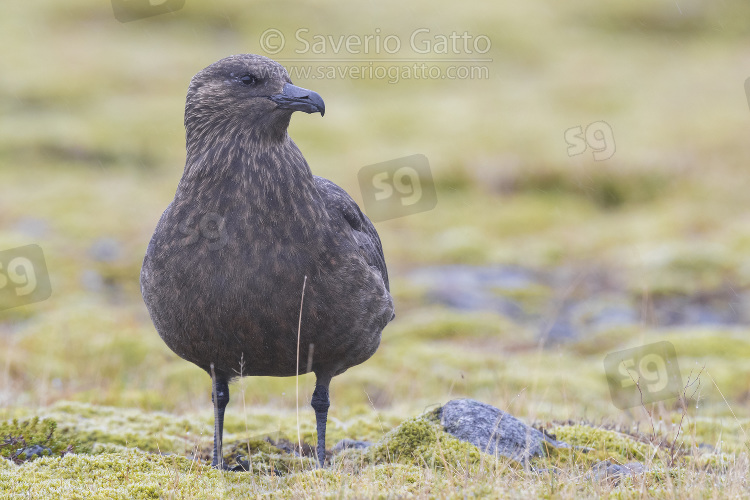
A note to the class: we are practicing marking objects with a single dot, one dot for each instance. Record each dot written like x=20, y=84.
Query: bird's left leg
x=220, y=398
x=320, y=403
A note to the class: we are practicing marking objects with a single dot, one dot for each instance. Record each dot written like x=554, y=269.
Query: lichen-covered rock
x=493, y=431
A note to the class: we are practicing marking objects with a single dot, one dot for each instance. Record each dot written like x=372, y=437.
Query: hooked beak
x=299, y=99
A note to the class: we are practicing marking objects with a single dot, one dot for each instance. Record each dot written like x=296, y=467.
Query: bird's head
x=246, y=92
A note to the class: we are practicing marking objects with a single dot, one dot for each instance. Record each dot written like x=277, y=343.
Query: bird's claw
x=224, y=466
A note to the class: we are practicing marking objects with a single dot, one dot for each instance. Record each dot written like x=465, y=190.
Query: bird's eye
x=248, y=80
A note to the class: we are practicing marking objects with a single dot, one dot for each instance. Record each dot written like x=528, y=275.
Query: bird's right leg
x=320, y=403
x=220, y=398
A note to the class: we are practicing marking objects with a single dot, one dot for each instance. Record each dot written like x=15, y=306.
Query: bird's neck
x=268, y=175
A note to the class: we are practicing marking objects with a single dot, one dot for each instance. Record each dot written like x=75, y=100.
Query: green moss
x=148, y=431
x=716, y=462
x=725, y=435
x=417, y=458
x=664, y=214
x=271, y=464
x=442, y=324
x=124, y=475
x=534, y=298
x=703, y=343
x=251, y=446
x=367, y=426
x=604, y=341
x=260, y=456
x=603, y=445
x=18, y=440
x=422, y=441
x=607, y=188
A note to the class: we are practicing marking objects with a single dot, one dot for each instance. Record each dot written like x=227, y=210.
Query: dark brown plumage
x=224, y=271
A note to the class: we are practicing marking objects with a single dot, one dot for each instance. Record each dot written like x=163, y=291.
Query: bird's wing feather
x=338, y=202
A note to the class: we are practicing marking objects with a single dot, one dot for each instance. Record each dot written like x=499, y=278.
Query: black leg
x=320, y=404
x=220, y=398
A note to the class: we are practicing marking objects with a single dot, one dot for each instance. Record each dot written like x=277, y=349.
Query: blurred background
x=551, y=244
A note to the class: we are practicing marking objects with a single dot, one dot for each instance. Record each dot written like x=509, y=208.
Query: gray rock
x=105, y=250
x=608, y=470
x=493, y=431
x=92, y=281
x=33, y=227
x=579, y=304
x=34, y=451
x=469, y=288
x=700, y=309
x=705, y=448
x=348, y=444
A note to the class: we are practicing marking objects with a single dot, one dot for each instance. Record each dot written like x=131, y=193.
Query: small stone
x=33, y=227
x=105, y=250
x=608, y=470
x=34, y=451
x=351, y=444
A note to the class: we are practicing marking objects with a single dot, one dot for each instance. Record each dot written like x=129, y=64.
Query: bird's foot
x=239, y=466
x=323, y=459
x=224, y=465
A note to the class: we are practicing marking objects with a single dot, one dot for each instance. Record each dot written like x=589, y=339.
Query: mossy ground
x=92, y=147
x=415, y=458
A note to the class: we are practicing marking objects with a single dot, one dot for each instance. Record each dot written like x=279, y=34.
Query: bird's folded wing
x=339, y=203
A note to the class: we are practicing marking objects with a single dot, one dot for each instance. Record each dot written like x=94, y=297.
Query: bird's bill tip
x=299, y=99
